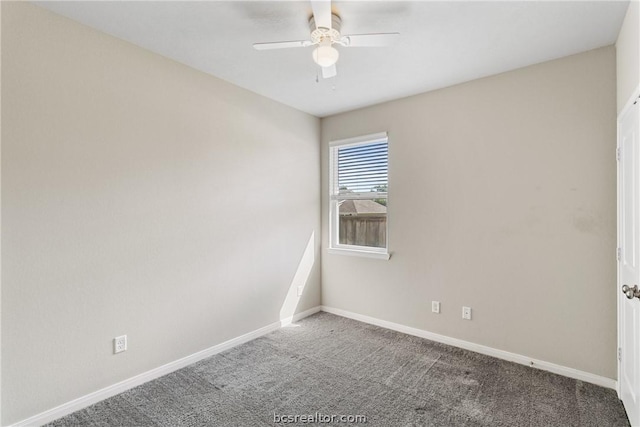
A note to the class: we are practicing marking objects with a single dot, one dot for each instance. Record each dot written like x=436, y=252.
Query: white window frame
x=334, y=246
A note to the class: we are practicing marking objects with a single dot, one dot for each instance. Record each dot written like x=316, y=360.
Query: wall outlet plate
x=466, y=313
x=435, y=306
x=120, y=344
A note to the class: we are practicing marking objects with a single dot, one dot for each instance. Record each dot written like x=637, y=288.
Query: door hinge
x=618, y=153
x=619, y=354
x=619, y=254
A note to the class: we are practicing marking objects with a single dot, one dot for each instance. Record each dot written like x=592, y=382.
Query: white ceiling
x=441, y=43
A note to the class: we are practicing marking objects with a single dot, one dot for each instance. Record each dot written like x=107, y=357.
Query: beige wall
x=502, y=198
x=628, y=55
x=139, y=197
x=0, y=218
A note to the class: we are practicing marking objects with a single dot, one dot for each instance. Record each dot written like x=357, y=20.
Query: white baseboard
x=489, y=351
x=90, y=399
x=112, y=390
x=289, y=320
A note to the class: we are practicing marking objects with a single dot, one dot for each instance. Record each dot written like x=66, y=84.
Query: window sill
x=360, y=253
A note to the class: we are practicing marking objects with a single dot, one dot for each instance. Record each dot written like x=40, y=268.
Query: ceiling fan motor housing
x=319, y=34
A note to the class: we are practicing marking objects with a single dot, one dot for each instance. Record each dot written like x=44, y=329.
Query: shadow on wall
x=298, y=283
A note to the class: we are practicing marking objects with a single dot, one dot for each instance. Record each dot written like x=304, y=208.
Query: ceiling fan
x=325, y=32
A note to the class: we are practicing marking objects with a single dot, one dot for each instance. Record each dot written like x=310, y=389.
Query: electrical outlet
x=435, y=306
x=300, y=288
x=120, y=344
x=466, y=313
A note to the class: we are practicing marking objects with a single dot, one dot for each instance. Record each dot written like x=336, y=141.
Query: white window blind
x=360, y=168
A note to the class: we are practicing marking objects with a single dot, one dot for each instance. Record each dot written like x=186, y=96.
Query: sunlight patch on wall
x=300, y=279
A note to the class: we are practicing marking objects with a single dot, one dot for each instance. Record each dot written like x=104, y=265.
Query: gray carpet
x=337, y=366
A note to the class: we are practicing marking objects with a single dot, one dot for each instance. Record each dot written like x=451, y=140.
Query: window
x=358, y=198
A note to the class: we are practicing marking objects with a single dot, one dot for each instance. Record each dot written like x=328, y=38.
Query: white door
x=629, y=260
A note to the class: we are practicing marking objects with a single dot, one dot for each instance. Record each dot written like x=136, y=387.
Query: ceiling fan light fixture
x=325, y=55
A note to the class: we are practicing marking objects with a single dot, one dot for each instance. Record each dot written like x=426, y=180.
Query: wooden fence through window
x=363, y=230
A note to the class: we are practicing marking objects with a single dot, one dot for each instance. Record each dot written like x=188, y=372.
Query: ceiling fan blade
x=369, y=40
x=281, y=45
x=328, y=72
x=321, y=13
